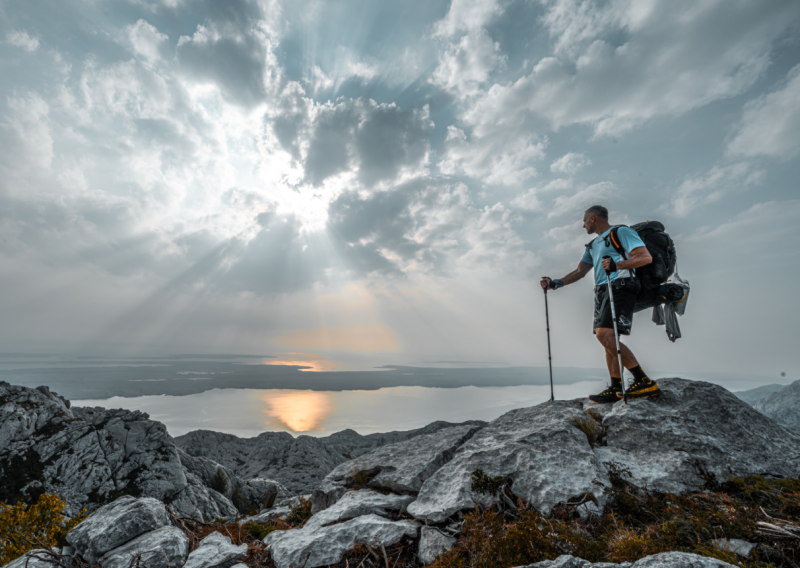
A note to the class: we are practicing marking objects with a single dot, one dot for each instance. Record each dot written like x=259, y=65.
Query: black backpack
x=652, y=276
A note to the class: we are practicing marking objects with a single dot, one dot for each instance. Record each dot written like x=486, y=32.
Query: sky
x=351, y=183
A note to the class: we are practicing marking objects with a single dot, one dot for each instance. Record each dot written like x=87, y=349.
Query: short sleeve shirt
x=628, y=238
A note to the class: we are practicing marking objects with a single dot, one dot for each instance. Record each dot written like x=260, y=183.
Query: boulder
x=402, y=467
x=201, y=502
x=38, y=558
x=735, y=545
x=356, y=503
x=328, y=545
x=166, y=547
x=216, y=550
x=540, y=449
x=783, y=406
x=268, y=515
x=115, y=524
x=91, y=456
x=663, y=560
x=87, y=456
x=433, y=543
x=695, y=427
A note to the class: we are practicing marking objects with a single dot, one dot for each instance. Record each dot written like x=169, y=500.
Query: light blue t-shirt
x=629, y=239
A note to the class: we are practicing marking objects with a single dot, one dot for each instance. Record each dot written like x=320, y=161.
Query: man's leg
x=606, y=338
x=642, y=386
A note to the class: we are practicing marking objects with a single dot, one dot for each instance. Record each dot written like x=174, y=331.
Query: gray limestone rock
x=357, y=503
x=783, y=406
x=432, y=543
x=38, y=558
x=201, y=502
x=296, y=464
x=663, y=560
x=89, y=456
x=115, y=524
x=268, y=515
x=695, y=425
x=216, y=551
x=541, y=450
x=402, y=467
x=328, y=545
x=166, y=547
x=567, y=561
x=680, y=560
x=735, y=545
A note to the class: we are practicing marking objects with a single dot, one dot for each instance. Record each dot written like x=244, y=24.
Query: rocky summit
x=395, y=492
x=92, y=456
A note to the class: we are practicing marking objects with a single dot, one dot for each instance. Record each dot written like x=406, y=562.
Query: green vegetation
x=220, y=481
x=301, y=512
x=636, y=524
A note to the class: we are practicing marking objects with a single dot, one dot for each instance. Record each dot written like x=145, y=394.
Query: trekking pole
x=616, y=333
x=549, y=355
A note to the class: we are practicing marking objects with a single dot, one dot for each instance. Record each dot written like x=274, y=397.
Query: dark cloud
x=230, y=50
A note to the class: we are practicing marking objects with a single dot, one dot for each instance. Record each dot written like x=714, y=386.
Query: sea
x=246, y=395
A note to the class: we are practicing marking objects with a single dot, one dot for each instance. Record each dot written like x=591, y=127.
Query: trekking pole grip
x=606, y=269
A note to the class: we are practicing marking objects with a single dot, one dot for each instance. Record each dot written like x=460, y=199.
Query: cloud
x=711, y=186
x=465, y=65
x=146, y=40
x=20, y=38
x=494, y=158
x=530, y=201
x=770, y=124
x=374, y=337
x=375, y=142
x=617, y=65
x=232, y=50
x=570, y=163
x=466, y=16
x=581, y=200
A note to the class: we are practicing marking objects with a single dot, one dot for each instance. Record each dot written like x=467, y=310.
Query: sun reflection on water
x=299, y=411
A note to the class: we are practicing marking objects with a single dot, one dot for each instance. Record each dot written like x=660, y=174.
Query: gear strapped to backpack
x=655, y=290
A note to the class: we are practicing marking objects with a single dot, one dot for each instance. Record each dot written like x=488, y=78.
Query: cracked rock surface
x=357, y=503
x=90, y=456
x=216, y=550
x=693, y=427
x=432, y=543
x=547, y=458
x=166, y=547
x=322, y=546
x=402, y=467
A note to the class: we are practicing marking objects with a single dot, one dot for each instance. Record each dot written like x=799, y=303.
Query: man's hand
x=609, y=265
x=550, y=284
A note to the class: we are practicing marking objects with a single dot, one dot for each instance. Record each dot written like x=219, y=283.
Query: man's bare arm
x=582, y=270
x=639, y=257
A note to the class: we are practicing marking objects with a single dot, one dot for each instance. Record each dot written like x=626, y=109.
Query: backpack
x=652, y=277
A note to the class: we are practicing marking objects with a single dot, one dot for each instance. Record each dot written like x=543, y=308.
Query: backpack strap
x=612, y=240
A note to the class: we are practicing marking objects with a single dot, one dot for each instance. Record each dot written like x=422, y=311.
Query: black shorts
x=625, y=291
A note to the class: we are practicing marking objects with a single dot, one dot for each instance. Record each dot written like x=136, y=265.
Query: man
x=626, y=289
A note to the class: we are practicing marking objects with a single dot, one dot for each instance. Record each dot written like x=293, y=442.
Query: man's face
x=588, y=223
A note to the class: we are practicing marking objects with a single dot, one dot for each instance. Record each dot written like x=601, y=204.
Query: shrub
x=482, y=483
x=301, y=512
x=23, y=528
x=220, y=482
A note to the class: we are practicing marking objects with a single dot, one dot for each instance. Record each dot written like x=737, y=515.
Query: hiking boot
x=611, y=394
x=641, y=388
